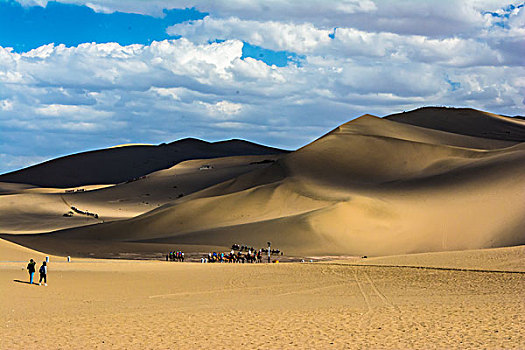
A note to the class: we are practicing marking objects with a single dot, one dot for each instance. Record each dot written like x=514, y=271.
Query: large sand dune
x=434, y=179
x=120, y=164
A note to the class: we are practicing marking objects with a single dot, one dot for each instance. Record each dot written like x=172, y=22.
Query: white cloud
x=72, y=111
x=111, y=65
x=6, y=105
x=233, y=125
x=299, y=38
x=173, y=86
x=174, y=93
x=347, y=41
x=224, y=108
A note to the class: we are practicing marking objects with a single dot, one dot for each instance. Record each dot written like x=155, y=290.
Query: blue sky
x=77, y=75
x=27, y=27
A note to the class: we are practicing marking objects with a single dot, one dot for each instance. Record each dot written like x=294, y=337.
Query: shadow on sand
x=19, y=281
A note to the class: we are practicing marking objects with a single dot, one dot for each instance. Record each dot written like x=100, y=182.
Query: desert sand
x=121, y=304
x=433, y=198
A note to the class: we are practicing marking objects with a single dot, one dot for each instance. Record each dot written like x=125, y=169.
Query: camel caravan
x=232, y=257
x=244, y=254
x=77, y=190
x=238, y=254
x=78, y=211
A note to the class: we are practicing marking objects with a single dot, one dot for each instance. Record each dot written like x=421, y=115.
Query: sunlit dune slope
x=120, y=164
x=371, y=187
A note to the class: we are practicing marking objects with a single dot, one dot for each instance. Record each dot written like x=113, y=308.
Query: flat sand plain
x=119, y=304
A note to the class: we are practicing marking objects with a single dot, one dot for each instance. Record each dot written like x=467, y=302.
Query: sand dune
x=437, y=180
x=30, y=209
x=120, y=164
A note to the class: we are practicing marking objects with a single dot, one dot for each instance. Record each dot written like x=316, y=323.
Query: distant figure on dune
x=43, y=274
x=31, y=270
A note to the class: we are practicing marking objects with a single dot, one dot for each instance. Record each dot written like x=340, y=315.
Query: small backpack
x=42, y=269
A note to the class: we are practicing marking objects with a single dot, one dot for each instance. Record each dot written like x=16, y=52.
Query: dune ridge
x=119, y=164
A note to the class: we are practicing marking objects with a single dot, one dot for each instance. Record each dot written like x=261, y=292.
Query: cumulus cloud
x=6, y=105
x=71, y=111
x=299, y=38
x=345, y=41
x=99, y=81
x=223, y=108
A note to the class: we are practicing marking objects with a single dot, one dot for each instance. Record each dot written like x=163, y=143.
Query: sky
x=78, y=75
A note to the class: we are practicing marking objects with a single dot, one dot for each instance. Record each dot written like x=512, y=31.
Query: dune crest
x=465, y=121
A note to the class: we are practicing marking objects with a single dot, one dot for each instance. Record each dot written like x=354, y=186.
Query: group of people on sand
x=175, y=256
x=31, y=268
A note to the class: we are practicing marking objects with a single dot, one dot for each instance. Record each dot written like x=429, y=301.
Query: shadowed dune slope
x=120, y=164
x=465, y=121
x=370, y=187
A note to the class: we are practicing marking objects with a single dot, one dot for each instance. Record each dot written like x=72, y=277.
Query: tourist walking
x=31, y=270
x=43, y=274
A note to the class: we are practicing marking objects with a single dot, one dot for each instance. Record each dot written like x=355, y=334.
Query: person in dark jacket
x=31, y=270
x=43, y=274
